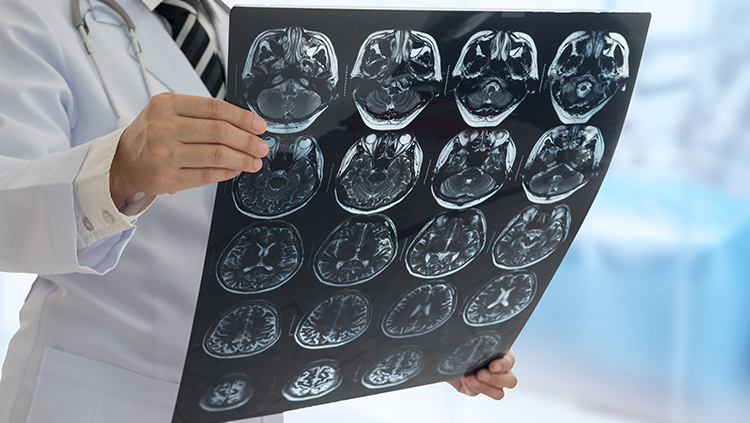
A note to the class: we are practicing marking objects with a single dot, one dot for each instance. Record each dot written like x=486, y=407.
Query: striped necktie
x=194, y=35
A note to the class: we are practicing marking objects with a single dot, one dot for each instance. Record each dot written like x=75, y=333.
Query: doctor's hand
x=179, y=142
x=491, y=381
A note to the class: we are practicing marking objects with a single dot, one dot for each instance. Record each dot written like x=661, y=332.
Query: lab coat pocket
x=71, y=388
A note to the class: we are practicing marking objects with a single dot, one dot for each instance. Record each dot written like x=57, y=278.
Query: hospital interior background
x=648, y=318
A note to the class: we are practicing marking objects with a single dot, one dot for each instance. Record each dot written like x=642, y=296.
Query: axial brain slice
x=501, y=299
x=395, y=368
x=396, y=74
x=531, y=237
x=590, y=67
x=495, y=72
x=420, y=310
x=475, y=352
x=563, y=160
x=357, y=250
x=291, y=175
x=260, y=258
x=447, y=243
x=229, y=392
x=247, y=329
x=315, y=380
x=335, y=321
x=377, y=172
x=290, y=75
x=472, y=167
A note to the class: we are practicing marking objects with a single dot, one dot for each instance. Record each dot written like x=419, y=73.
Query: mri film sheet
x=427, y=173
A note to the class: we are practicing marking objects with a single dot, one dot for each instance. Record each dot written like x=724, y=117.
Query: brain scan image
x=563, y=160
x=291, y=75
x=335, y=321
x=377, y=172
x=495, y=72
x=474, y=353
x=262, y=257
x=531, y=236
x=501, y=299
x=447, y=243
x=229, y=392
x=472, y=167
x=248, y=328
x=315, y=380
x=420, y=310
x=590, y=67
x=357, y=250
x=395, y=368
x=290, y=177
x=395, y=76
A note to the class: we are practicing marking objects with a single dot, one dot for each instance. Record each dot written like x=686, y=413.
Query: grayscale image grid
x=351, y=264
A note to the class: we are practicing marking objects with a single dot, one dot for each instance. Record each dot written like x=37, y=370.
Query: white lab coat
x=105, y=329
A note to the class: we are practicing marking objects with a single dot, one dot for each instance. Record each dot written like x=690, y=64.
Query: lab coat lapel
x=164, y=60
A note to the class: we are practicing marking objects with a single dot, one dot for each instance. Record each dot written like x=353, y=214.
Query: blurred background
x=648, y=318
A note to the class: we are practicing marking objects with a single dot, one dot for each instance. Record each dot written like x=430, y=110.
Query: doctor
x=105, y=327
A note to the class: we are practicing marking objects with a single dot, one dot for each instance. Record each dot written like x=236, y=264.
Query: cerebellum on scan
x=396, y=74
x=290, y=77
x=590, y=67
x=494, y=73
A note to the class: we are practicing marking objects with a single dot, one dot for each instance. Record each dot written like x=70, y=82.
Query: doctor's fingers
x=493, y=388
x=187, y=178
x=220, y=133
x=219, y=156
x=498, y=380
x=214, y=109
x=503, y=364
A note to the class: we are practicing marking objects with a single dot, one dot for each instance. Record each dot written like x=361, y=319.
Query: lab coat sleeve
x=97, y=217
x=38, y=163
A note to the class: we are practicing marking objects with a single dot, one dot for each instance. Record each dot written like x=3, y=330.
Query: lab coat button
x=108, y=217
x=87, y=224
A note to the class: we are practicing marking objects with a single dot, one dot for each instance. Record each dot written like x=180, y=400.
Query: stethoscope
x=83, y=29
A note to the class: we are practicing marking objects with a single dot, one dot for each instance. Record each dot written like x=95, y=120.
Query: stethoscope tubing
x=83, y=29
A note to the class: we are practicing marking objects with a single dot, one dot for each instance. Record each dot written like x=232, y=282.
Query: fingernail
x=262, y=148
x=483, y=376
x=259, y=126
x=257, y=163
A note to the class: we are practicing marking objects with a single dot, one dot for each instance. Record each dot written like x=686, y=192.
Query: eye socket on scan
x=378, y=172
